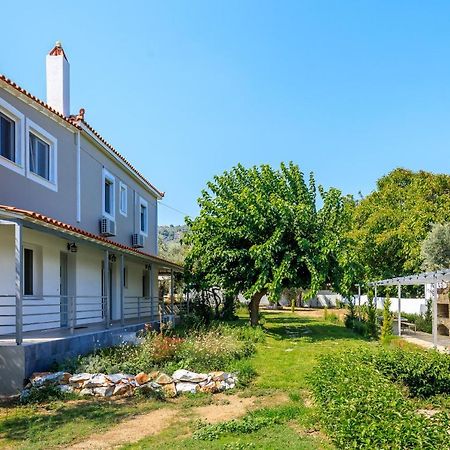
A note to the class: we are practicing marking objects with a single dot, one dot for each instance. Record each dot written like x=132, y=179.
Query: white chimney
x=58, y=80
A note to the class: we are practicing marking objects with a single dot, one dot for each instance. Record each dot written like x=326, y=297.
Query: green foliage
x=390, y=224
x=436, y=247
x=171, y=244
x=360, y=408
x=388, y=321
x=252, y=422
x=259, y=231
x=219, y=347
x=371, y=314
x=45, y=394
x=423, y=322
x=424, y=373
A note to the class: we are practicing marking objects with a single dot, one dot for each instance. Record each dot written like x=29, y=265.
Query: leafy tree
x=436, y=247
x=390, y=224
x=259, y=231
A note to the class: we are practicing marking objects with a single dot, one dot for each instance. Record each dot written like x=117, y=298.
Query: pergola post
x=435, y=318
x=399, y=315
x=376, y=298
x=359, y=302
x=18, y=252
x=172, y=291
x=121, y=292
x=106, y=292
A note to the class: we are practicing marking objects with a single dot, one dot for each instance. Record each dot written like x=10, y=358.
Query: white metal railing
x=68, y=311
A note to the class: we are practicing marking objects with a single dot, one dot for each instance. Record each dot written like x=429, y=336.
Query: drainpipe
x=79, y=176
x=18, y=252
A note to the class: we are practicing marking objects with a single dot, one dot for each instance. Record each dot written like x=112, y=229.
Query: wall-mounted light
x=112, y=258
x=72, y=247
x=148, y=267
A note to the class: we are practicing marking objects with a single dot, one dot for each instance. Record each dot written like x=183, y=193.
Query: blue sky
x=187, y=89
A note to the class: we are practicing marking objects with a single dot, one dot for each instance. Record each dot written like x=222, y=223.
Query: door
x=63, y=300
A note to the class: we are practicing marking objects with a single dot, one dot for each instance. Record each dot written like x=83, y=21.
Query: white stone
x=86, y=391
x=186, y=375
x=66, y=388
x=104, y=391
x=119, y=378
x=79, y=377
x=96, y=380
x=186, y=387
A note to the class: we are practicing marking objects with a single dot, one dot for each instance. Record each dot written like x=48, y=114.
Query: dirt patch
x=225, y=407
x=229, y=407
x=131, y=430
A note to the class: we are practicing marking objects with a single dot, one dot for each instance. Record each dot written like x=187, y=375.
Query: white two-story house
x=78, y=232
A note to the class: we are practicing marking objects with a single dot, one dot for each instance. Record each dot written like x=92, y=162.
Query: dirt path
x=132, y=430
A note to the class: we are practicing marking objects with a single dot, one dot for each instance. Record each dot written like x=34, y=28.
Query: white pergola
x=424, y=278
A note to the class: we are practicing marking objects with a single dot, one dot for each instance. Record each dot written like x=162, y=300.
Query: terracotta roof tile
x=71, y=228
x=75, y=122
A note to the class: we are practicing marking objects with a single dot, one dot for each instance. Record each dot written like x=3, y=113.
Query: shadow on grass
x=301, y=327
x=35, y=425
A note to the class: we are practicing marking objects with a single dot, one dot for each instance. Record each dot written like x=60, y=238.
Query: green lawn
x=283, y=363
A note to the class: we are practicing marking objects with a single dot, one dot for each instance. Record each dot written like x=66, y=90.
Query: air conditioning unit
x=107, y=227
x=137, y=240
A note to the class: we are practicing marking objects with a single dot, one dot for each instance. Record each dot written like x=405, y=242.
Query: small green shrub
x=388, y=321
x=45, y=394
x=361, y=409
x=252, y=422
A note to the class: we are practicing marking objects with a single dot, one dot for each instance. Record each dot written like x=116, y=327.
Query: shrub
x=45, y=394
x=204, y=349
x=386, y=328
x=424, y=373
x=360, y=408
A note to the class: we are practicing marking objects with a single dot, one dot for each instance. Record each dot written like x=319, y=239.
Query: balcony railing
x=71, y=312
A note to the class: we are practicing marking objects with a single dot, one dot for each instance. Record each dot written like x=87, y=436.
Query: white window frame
x=19, y=120
x=106, y=175
x=37, y=270
x=123, y=187
x=52, y=142
x=143, y=202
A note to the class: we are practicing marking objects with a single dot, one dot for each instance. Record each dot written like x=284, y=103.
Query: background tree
x=259, y=231
x=436, y=248
x=389, y=225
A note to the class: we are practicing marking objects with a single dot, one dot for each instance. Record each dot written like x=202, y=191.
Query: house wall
x=92, y=164
x=16, y=189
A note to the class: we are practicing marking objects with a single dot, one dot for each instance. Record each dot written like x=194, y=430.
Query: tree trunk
x=300, y=299
x=253, y=308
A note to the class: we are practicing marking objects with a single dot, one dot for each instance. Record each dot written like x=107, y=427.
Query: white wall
x=408, y=305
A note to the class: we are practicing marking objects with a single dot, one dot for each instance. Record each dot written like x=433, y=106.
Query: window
x=143, y=217
x=28, y=272
x=108, y=195
x=123, y=201
x=7, y=138
x=41, y=156
x=125, y=277
x=11, y=137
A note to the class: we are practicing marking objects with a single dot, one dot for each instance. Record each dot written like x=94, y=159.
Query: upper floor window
x=42, y=156
x=123, y=200
x=108, y=194
x=143, y=216
x=39, y=157
x=7, y=138
x=11, y=137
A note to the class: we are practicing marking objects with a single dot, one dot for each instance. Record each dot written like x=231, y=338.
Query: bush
x=424, y=373
x=388, y=321
x=216, y=348
x=44, y=394
x=360, y=408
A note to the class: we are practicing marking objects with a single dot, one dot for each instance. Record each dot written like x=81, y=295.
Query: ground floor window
x=28, y=272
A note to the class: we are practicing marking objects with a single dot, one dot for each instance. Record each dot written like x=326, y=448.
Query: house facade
x=78, y=224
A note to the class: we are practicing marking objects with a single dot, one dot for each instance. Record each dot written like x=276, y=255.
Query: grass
x=283, y=363
x=60, y=423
